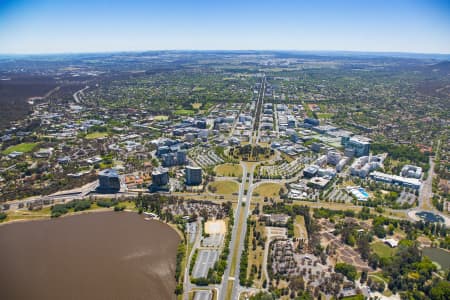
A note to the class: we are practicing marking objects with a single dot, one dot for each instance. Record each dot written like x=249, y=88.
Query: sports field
x=24, y=147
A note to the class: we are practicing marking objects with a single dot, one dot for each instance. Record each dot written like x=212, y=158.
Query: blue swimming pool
x=363, y=192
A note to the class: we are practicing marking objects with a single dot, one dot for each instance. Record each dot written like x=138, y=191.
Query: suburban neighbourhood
x=280, y=183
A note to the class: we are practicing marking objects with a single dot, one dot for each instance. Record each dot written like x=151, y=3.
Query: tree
x=391, y=229
x=373, y=261
x=364, y=246
x=304, y=296
x=297, y=283
x=262, y=296
x=179, y=289
x=351, y=240
x=347, y=270
x=379, y=231
x=363, y=277
x=204, y=214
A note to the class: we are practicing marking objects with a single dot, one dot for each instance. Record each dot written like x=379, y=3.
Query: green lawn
x=161, y=118
x=184, y=112
x=24, y=147
x=382, y=250
x=225, y=187
x=105, y=166
x=324, y=115
x=357, y=297
x=232, y=170
x=268, y=190
x=198, y=89
x=96, y=135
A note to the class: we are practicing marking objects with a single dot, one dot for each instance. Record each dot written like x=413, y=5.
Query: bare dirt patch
x=215, y=227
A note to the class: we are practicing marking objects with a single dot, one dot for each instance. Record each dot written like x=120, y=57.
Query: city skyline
x=41, y=27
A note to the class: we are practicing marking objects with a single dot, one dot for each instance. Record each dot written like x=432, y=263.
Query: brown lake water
x=438, y=255
x=106, y=255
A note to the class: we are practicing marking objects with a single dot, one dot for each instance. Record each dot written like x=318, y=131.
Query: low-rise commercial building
x=310, y=171
x=411, y=171
x=319, y=182
x=363, y=165
x=397, y=180
x=311, y=122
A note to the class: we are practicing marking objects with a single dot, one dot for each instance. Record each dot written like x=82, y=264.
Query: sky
x=62, y=26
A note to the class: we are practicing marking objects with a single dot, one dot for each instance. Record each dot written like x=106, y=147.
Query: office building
x=160, y=177
x=201, y=124
x=174, y=158
x=291, y=123
x=168, y=159
x=311, y=121
x=411, y=171
x=365, y=164
x=109, y=181
x=181, y=157
x=397, y=180
x=310, y=171
x=341, y=164
x=318, y=182
x=193, y=175
x=321, y=161
x=328, y=172
x=316, y=147
x=162, y=150
x=349, y=152
x=359, y=144
x=333, y=157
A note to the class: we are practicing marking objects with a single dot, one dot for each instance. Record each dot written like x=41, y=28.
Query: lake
x=106, y=255
x=430, y=217
x=440, y=256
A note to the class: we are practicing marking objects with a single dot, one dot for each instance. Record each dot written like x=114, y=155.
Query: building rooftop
x=360, y=139
x=109, y=173
x=413, y=181
x=391, y=242
x=159, y=171
x=193, y=168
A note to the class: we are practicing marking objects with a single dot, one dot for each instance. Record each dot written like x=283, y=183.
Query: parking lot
x=205, y=260
x=191, y=229
x=285, y=169
x=205, y=158
x=213, y=241
x=203, y=295
x=406, y=197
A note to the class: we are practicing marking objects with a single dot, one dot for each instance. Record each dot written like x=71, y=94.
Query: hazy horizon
x=434, y=55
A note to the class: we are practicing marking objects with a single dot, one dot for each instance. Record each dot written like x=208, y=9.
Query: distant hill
x=15, y=92
x=443, y=68
x=436, y=82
